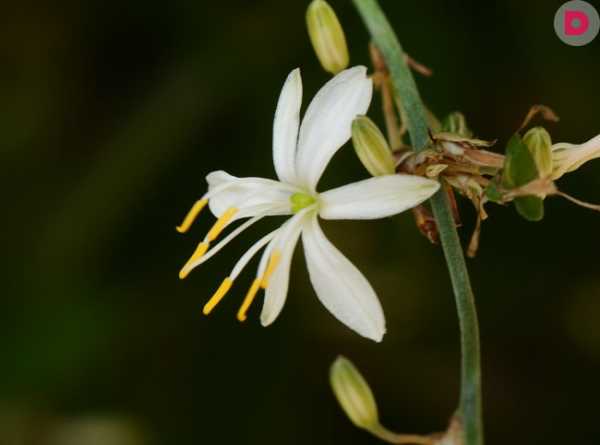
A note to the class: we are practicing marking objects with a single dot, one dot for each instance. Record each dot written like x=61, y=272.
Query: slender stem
x=469, y=410
x=401, y=439
x=394, y=132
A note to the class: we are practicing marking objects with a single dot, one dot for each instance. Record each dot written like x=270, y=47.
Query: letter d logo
x=576, y=23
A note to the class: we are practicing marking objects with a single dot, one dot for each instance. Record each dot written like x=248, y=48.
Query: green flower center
x=301, y=201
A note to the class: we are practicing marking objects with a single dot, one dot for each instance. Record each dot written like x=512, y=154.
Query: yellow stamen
x=273, y=263
x=198, y=253
x=218, y=296
x=241, y=315
x=218, y=227
x=192, y=215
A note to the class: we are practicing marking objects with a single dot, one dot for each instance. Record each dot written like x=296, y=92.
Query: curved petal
x=285, y=127
x=284, y=244
x=340, y=286
x=328, y=120
x=250, y=196
x=569, y=157
x=376, y=197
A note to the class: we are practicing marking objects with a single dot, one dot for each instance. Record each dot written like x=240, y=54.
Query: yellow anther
x=218, y=296
x=241, y=315
x=198, y=253
x=192, y=215
x=273, y=263
x=218, y=227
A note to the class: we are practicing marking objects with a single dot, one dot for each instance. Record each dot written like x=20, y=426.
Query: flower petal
x=285, y=127
x=340, y=286
x=569, y=157
x=328, y=120
x=285, y=243
x=250, y=196
x=376, y=197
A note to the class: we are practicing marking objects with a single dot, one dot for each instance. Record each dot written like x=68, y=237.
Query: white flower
x=300, y=154
x=569, y=157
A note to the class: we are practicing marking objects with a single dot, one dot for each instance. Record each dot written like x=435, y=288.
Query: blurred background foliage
x=111, y=115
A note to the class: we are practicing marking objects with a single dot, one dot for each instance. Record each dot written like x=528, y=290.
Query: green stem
x=401, y=439
x=469, y=410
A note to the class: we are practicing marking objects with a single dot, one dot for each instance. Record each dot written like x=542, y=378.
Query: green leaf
x=519, y=165
x=492, y=193
x=530, y=207
x=520, y=169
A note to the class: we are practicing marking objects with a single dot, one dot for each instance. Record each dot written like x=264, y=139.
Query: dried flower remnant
x=567, y=157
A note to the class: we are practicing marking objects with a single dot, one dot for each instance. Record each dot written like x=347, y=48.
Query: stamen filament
x=273, y=263
x=192, y=215
x=253, y=250
x=218, y=227
x=198, y=253
x=241, y=315
x=218, y=296
x=579, y=202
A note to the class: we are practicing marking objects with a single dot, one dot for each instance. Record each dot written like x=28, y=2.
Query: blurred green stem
x=469, y=410
x=401, y=439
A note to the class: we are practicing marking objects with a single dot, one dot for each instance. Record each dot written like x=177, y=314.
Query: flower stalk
x=470, y=406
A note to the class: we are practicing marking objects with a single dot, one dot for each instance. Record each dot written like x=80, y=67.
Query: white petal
x=569, y=157
x=376, y=197
x=249, y=195
x=285, y=242
x=285, y=127
x=340, y=286
x=328, y=120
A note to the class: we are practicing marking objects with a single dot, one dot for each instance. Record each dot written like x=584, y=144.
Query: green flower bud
x=456, y=123
x=371, y=147
x=327, y=36
x=519, y=170
x=539, y=143
x=354, y=395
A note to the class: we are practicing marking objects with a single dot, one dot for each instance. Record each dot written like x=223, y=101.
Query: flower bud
x=456, y=123
x=539, y=143
x=519, y=170
x=327, y=36
x=353, y=394
x=371, y=147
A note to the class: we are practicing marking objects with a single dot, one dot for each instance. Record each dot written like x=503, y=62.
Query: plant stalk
x=470, y=406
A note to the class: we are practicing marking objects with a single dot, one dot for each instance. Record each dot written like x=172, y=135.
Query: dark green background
x=111, y=115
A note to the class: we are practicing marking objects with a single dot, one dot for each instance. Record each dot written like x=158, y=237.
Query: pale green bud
x=539, y=143
x=327, y=36
x=354, y=395
x=371, y=147
x=456, y=123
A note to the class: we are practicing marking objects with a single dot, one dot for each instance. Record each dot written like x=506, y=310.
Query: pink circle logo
x=577, y=23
